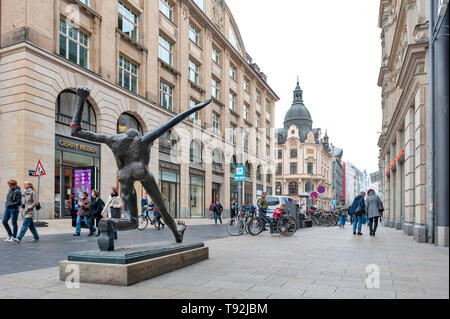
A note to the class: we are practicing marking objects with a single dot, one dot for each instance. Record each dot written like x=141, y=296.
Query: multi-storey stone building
x=304, y=159
x=338, y=175
x=144, y=61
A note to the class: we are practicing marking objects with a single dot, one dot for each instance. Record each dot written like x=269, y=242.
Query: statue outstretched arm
x=152, y=136
x=83, y=93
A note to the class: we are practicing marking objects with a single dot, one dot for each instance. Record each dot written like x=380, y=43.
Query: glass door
x=169, y=192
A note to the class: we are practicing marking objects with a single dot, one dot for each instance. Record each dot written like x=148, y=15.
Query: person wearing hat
x=13, y=202
x=374, y=208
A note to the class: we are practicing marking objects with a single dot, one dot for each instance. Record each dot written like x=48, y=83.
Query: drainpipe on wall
x=431, y=130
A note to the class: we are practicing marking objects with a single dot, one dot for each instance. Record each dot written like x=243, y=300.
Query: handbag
x=38, y=206
x=115, y=212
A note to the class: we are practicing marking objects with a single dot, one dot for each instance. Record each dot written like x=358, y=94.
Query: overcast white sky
x=335, y=49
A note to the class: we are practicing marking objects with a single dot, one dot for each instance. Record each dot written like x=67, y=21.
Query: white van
x=274, y=201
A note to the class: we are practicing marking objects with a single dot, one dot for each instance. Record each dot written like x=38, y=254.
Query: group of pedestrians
x=24, y=203
x=216, y=208
x=363, y=210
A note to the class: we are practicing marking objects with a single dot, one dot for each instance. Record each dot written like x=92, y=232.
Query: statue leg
x=152, y=189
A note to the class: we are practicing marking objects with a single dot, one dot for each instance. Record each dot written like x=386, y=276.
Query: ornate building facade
x=145, y=60
x=304, y=159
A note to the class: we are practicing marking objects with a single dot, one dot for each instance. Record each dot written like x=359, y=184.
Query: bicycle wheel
x=235, y=226
x=143, y=222
x=256, y=226
x=286, y=226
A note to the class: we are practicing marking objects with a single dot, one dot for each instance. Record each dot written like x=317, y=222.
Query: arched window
x=309, y=187
x=233, y=164
x=195, y=153
x=248, y=170
x=269, y=178
x=293, y=188
x=258, y=173
x=168, y=143
x=217, y=158
x=278, y=188
x=127, y=121
x=65, y=108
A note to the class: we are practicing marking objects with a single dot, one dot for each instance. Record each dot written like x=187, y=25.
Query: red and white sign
x=40, y=171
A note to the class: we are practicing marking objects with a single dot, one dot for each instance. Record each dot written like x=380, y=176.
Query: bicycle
x=285, y=225
x=239, y=224
x=144, y=219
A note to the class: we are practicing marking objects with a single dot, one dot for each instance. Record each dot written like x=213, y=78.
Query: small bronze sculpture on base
x=132, y=154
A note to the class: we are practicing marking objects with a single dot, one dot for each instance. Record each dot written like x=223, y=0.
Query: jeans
x=28, y=223
x=92, y=222
x=343, y=219
x=86, y=221
x=373, y=224
x=352, y=219
x=158, y=220
x=12, y=214
x=358, y=223
x=217, y=216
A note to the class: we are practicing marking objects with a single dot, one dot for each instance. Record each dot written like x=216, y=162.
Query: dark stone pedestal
x=128, y=266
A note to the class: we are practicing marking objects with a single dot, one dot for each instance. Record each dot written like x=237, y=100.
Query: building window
x=128, y=74
x=193, y=72
x=128, y=21
x=233, y=164
x=267, y=106
x=293, y=153
x=195, y=118
x=194, y=34
x=85, y=2
x=258, y=97
x=217, y=158
x=233, y=133
x=246, y=112
x=280, y=154
x=279, y=169
x=246, y=141
x=73, y=44
x=246, y=86
x=165, y=50
x=232, y=101
x=278, y=188
x=257, y=146
x=166, y=7
x=233, y=40
x=166, y=96
x=293, y=188
x=215, y=88
x=216, y=56
x=310, y=168
x=195, y=153
x=267, y=151
x=269, y=178
x=293, y=168
x=127, y=121
x=200, y=4
x=215, y=123
x=268, y=128
x=257, y=120
x=168, y=143
x=65, y=108
x=309, y=187
x=258, y=173
x=248, y=170
x=232, y=72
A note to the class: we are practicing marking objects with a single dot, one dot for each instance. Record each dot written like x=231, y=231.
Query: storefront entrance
x=169, y=180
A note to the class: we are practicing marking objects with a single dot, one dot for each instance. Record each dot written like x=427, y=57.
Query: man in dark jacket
x=358, y=209
x=95, y=211
x=13, y=202
x=218, y=209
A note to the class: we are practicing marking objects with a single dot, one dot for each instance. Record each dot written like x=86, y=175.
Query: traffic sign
x=321, y=189
x=314, y=195
x=40, y=171
x=31, y=173
x=239, y=174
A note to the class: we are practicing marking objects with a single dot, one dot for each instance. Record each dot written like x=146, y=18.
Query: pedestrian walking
x=218, y=209
x=27, y=207
x=358, y=210
x=342, y=209
x=144, y=205
x=158, y=216
x=13, y=202
x=113, y=206
x=233, y=208
x=95, y=212
x=211, y=210
x=84, y=204
x=374, y=208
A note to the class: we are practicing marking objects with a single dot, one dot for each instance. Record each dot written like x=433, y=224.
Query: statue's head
x=133, y=133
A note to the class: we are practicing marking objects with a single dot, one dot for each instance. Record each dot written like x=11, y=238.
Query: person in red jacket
x=279, y=212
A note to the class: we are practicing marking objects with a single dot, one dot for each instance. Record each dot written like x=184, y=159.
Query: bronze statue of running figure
x=132, y=153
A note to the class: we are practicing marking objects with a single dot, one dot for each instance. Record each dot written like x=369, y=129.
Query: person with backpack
x=84, y=203
x=157, y=215
x=358, y=209
x=95, y=212
x=29, y=203
x=374, y=207
x=13, y=202
x=218, y=209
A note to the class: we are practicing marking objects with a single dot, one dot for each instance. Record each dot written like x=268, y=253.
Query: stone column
x=398, y=183
x=392, y=187
x=420, y=228
x=409, y=172
x=386, y=194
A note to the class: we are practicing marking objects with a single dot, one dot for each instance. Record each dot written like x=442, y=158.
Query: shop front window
x=65, y=108
x=197, y=191
x=127, y=121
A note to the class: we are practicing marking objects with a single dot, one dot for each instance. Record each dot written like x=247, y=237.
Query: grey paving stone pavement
x=324, y=263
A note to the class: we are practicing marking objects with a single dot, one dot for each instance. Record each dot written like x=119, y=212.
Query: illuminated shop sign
x=394, y=163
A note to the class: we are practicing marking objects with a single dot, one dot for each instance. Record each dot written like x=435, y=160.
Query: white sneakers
x=8, y=239
x=16, y=240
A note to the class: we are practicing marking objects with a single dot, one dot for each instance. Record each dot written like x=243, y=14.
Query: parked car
x=274, y=201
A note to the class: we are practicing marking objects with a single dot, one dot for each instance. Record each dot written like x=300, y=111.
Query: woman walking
x=374, y=208
x=343, y=212
x=83, y=211
x=29, y=203
x=113, y=207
